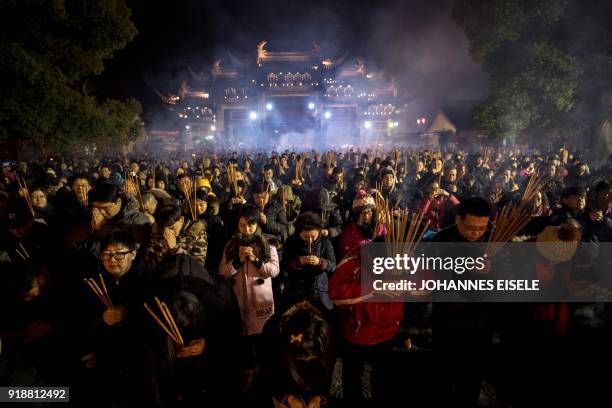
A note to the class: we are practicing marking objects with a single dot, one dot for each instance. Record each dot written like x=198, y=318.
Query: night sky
x=415, y=41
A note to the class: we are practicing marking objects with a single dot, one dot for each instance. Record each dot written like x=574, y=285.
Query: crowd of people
x=257, y=257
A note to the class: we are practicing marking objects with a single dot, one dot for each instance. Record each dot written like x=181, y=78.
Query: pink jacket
x=253, y=290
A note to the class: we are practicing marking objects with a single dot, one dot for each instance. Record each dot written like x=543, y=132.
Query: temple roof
x=219, y=72
x=285, y=57
x=358, y=70
x=264, y=55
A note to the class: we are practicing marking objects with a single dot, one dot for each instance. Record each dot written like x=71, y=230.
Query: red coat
x=552, y=312
x=351, y=238
x=435, y=209
x=364, y=323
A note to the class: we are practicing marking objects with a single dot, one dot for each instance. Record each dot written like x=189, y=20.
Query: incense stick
x=534, y=185
x=185, y=185
x=170, y=326
x=173, y=325
x=404, y=232
x=23, y=185
x=232, y=178
x=105, y=291
x=24, y=250
x=329, y=160
x=508, y=222
x=136, y=184
x=160, y=323
x=100, y=291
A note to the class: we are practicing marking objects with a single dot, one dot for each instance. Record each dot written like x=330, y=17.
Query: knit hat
x=362, y=201
x=51, y=171
x=559, y=244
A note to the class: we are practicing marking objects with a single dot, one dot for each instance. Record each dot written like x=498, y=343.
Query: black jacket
x=276, y=225
x=454, y=324
x=302, y=281
x=563, y=214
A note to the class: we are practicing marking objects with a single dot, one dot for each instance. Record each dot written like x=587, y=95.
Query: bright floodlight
x=367, y=124
x=269, y=106
x=210, y=137
x=327, y=115
x=187, y=127
x=311, y=105
x=253, y=115
x=213, y=128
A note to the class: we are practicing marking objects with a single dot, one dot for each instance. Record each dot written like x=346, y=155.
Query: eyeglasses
x=117, y=256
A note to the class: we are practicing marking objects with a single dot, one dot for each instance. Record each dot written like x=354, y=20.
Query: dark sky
x=415, y=41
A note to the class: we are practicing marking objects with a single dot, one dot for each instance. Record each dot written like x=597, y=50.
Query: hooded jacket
x=253, y=289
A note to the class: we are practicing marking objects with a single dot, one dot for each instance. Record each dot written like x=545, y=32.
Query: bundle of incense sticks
x=153, y=174
x=26, y=194
x=404, y=232
x=396, y=157
x=534, y=185
x=232, y=178
x=283, y=200
x=188, y=188
x=298, y=170
x=329, y=160
x=21, y=251
x=309, y=245
x=169, y=326
x=324, y=217
x=486, y=156
x=82, y=196
x=136, y=184
x=383, y=211
x=508, y=222
x=100, y=291
x=380, y=202
x=129, y=186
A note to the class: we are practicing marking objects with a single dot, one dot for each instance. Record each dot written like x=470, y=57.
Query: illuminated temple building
x=285, y=98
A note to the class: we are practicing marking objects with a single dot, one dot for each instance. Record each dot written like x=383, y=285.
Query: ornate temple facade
x=285, y=98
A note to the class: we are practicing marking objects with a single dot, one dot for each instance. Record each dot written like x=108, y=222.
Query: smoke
x=417, y=43
x=422, y=47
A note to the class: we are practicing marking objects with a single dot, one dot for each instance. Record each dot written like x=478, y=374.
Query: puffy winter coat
x=365, y=323
x=253, y=290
